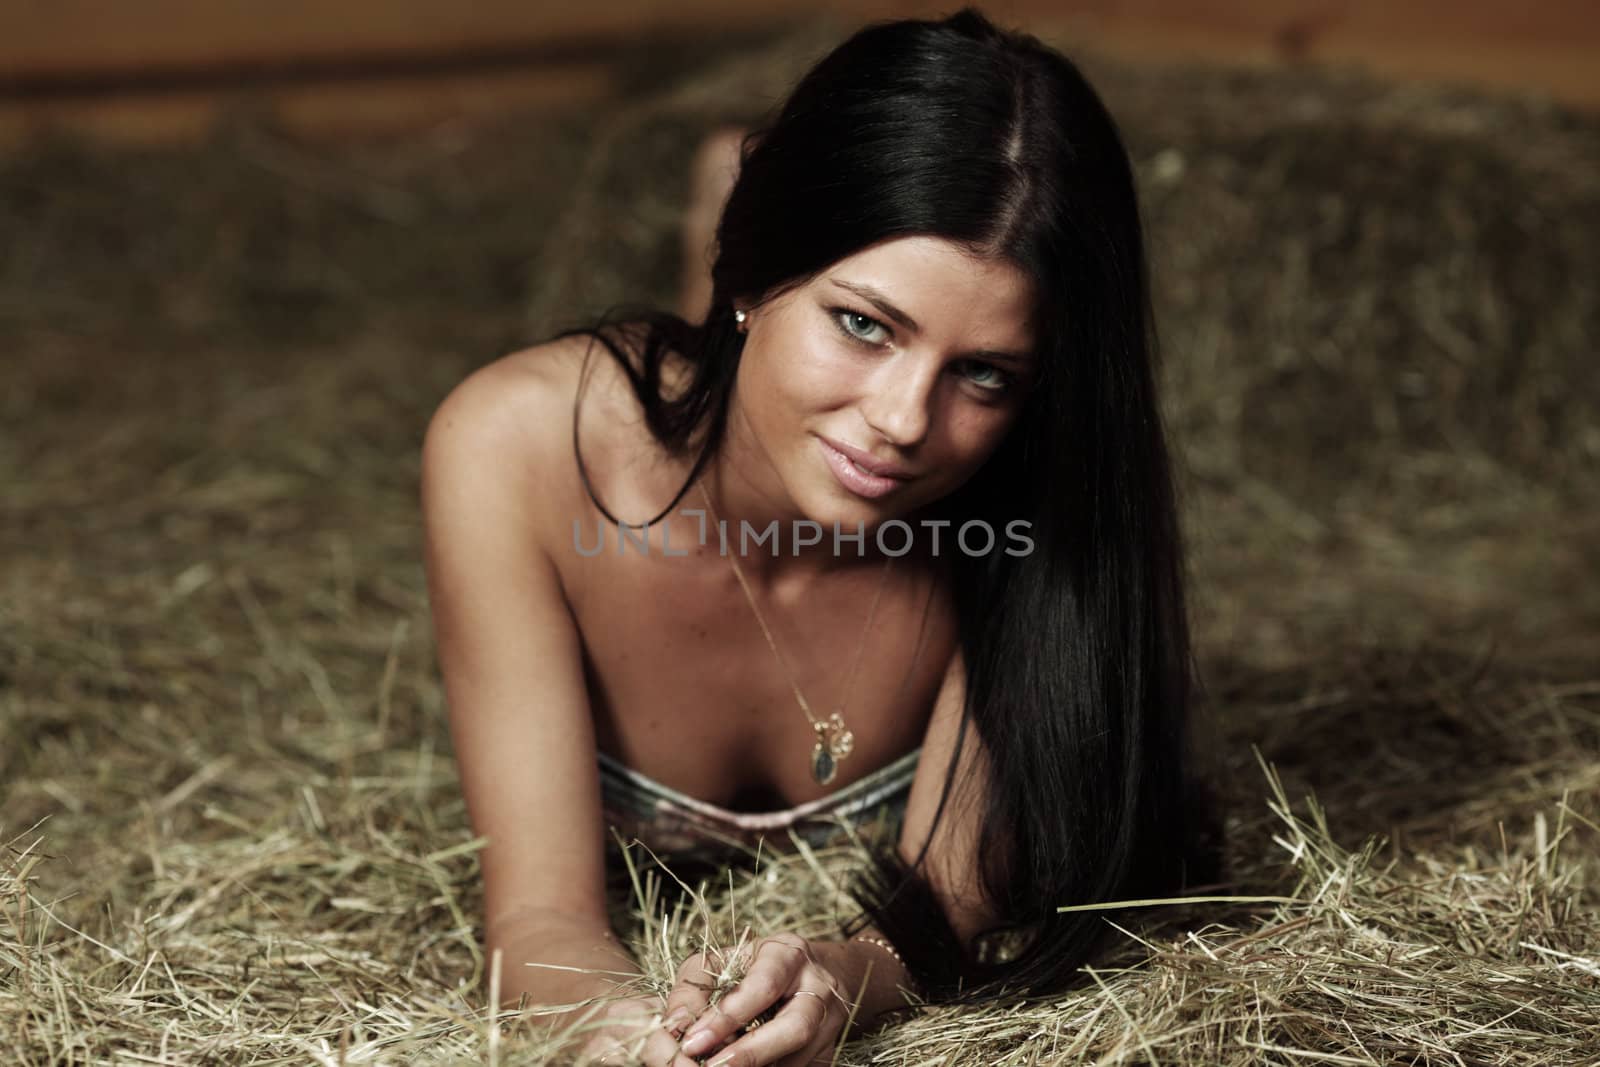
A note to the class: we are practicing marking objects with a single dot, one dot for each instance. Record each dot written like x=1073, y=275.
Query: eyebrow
x=881, y=302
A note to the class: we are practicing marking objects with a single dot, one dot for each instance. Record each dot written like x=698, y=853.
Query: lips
x=853, y=478
x=864, y=460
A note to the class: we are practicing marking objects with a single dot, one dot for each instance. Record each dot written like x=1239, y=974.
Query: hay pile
x=231, y=823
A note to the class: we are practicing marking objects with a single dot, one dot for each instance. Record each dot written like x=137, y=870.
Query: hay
x=1361, y=962
x=232, y=830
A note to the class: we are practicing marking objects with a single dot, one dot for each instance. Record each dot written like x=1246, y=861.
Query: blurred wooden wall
x=152, y=70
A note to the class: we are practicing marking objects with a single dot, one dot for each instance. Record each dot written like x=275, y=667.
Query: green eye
x=848, y=320
x=996, y=380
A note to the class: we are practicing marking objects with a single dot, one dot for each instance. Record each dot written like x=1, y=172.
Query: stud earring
x=739, y=317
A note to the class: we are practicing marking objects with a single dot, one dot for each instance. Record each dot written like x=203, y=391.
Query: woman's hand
x=638, y=1030
x=648, y=1030
x=785, y=976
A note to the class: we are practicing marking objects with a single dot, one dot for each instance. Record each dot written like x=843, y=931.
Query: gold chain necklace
x=834, y=739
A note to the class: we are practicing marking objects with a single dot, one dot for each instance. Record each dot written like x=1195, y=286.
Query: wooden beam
x=165, y=69
x=360, y=107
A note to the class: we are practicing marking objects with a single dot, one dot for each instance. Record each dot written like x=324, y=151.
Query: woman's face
x=911, y=354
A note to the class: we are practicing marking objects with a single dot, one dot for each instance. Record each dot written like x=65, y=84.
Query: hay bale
x=1372, y=301
x=1343, y=268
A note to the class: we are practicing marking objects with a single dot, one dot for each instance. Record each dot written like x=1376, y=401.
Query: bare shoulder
x=516, y=398
x=511, y=419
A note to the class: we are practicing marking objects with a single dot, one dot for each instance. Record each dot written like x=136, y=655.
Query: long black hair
x=1078, y=663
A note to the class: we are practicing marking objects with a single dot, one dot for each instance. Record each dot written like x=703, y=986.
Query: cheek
x=814, y=375
x=973, y=435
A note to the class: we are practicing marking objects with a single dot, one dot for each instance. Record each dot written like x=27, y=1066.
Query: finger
x=804, y=1025
x=631, y=1032
x=710, y=1030
x=665, y=1047
x=690, y=995
x=773, y=973
x=657, y=1051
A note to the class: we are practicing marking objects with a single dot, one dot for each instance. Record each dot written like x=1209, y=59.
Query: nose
x=897, y=405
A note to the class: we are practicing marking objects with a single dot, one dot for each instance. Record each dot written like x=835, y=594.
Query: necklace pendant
x=840, y=740
x=834, y=743
x=823, y=766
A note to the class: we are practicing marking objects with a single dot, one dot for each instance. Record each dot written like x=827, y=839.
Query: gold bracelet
x=881, y=943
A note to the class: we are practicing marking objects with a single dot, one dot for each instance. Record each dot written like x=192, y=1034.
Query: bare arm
x=952, y=860
x=511, y=660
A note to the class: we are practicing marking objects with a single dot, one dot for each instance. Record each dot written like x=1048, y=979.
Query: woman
x=928, y=331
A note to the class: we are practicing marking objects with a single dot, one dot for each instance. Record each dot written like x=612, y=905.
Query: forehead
x=942, y=287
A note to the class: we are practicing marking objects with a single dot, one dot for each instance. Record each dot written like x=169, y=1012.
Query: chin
x=871, y=513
